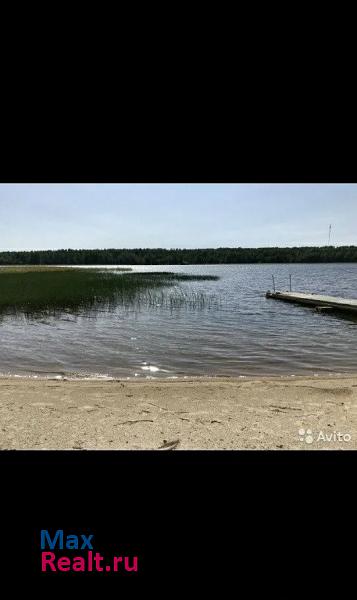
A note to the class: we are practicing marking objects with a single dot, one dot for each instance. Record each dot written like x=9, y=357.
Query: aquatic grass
x=49, y=290
x=169, y=276
x=178, y=299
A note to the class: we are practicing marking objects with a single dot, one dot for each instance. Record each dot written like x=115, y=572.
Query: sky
x=51, y=216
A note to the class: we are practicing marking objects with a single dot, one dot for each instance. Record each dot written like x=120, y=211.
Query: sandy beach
x=188, y=413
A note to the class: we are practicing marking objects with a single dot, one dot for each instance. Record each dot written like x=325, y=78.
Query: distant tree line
x=161, y=256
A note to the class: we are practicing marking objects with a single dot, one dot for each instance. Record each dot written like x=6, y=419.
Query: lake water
x=239, y=333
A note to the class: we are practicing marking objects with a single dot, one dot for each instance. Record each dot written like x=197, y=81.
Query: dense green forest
x=161, y=256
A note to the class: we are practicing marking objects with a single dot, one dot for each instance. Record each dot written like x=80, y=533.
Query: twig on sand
x=169, y=445
x=136, y=421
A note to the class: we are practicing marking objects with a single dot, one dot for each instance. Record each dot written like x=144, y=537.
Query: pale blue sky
x=42, y=216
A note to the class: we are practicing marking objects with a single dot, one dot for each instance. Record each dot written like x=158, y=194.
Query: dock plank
x=315, y=300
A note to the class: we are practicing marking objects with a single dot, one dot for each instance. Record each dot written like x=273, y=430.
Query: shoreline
x=190, y=412
x=174, y=378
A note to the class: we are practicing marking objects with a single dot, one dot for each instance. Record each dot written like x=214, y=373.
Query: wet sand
x=190, y=413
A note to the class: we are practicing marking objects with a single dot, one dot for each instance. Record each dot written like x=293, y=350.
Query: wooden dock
x=320, y=302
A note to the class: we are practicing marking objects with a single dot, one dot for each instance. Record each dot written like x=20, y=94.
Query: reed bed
x=49, y=290
x=177, y=298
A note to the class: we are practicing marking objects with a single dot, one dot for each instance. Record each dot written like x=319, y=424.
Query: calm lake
x=237, y=332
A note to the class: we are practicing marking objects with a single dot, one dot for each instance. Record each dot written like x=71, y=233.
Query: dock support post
x=290, y=281
x=273, y=283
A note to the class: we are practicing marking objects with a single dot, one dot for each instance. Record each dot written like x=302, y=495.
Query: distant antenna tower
x=329, y=235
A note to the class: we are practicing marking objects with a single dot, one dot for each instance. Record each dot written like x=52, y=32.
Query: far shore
x=188, y=413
